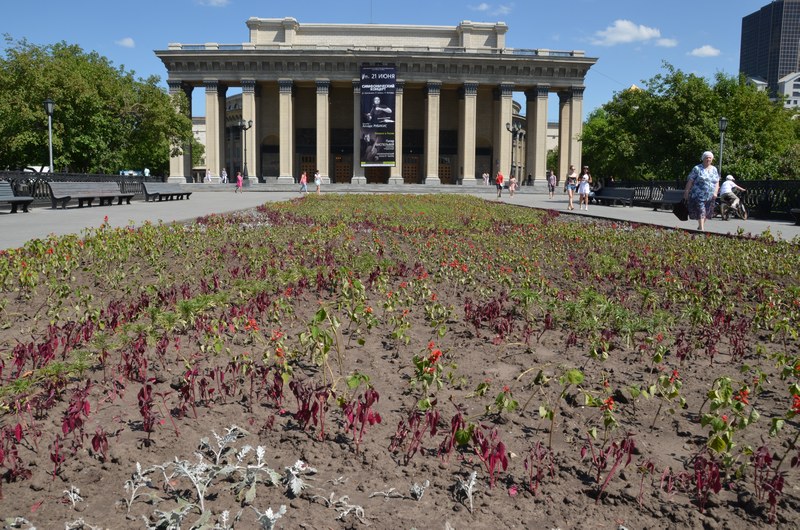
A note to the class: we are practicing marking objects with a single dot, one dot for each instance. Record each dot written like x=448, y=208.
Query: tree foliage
x=659, y=132
x=104, y=120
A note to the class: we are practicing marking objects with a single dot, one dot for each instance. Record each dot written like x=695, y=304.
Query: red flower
x=796, y=404
x=742, y=395
x=608, y=404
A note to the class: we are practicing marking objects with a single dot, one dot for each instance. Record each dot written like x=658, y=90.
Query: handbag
x=681, y=211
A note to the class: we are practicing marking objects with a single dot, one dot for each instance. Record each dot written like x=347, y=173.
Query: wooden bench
x=7, y=195
x=163, y=191
x=610, y=196
x=86, y=192
x=668, y=199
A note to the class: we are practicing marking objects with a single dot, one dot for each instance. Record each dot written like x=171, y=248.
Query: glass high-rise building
x=770, y=46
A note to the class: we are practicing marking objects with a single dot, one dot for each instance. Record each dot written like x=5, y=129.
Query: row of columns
x=570, y=128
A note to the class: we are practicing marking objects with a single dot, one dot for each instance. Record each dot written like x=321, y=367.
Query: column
x=249, y=115
x=396, y=172
x=358, y=171
x=323, y=129
x=177, y=163
x=576, y=126
x=564, y=157
x=536, y=149
x=504, y=116
x=432, y=104
x=221, y=104
x=285, y=127
x=468, y=107
x=212, y=129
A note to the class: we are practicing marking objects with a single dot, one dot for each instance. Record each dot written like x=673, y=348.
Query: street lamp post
x=244, y=126
x=723, y=125
x=49, y=106
x=517, y=133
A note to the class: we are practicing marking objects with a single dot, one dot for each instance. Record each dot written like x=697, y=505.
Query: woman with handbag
x=701, y=190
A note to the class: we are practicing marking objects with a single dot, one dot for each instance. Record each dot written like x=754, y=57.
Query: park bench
x=163, y=191
x=668, y=199
x=7, y=195
x=796, y=215
x=610, y=196
x=86, y=192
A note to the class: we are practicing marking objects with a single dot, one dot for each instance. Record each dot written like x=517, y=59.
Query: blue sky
x=630, y=38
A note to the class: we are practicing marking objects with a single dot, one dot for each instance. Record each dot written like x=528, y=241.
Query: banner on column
x=377, y=115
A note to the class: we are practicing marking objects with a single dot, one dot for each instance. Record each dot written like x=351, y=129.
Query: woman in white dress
x=584, y=188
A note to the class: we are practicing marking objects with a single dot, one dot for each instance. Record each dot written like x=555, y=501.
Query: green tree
x=105, y=119
x=660, y=131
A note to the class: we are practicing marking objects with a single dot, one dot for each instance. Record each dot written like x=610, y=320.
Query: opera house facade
x=379, y=103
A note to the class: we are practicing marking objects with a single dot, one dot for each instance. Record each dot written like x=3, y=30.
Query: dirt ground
x=199, y=353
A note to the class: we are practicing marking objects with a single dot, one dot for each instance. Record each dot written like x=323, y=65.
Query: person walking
x=498, y=181
x=552, y=180
x=512, y=185
x=702, y=187
x=570, y=185
x=317, y=180
x=239, y=182
x=304, y=182
x=223, y=176
x=485, y=178
x=584, y=188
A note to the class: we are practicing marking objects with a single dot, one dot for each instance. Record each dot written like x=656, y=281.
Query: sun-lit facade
x=301, y=88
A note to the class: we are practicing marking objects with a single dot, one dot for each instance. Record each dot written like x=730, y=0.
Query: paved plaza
x=43, y=221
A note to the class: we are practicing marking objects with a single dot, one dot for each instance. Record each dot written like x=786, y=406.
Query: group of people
x=499, y=182
x=700, y=194
x=574, y=183
x=304, y=182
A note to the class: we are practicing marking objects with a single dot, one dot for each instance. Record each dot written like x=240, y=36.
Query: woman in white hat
x=702, y=187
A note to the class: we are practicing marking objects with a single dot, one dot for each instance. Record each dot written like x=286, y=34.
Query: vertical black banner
x=378, y=115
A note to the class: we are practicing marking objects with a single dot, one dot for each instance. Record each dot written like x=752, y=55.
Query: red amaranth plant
x=359, y=414
x=312, y=403
x=490, y=450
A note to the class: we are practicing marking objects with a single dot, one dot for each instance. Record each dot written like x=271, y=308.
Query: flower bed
x=399, y=361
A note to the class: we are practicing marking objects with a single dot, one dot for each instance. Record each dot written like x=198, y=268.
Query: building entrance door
x=411, y=171
x=377, y=175
x=342, y=169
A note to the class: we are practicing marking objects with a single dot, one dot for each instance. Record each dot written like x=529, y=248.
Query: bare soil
x=368, y=485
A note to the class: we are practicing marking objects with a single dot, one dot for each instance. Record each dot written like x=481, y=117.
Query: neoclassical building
x=306, y=91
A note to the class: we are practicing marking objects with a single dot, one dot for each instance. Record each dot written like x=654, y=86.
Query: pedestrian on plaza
x=485, y=178
x=304, y=182
x=498, y=181
x=584, y=188
x=570, y=185
x=552, y=180
x=317, y=180
x=702, y=187
x=239, y=182
x=512, y=185
x=223, y=176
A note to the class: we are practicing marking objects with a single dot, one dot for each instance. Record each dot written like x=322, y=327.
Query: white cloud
x=705, y=51
x=624, y=32
x=214, y=3
x=126, y=42
x=500, y=10
x=667, y=43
